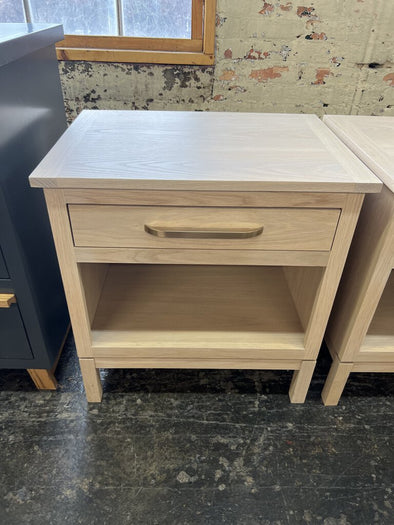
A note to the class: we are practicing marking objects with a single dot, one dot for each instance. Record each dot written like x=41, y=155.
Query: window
x=158, y=31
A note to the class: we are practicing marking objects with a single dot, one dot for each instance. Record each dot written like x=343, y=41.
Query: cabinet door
x=3, y=268
x=14, y=343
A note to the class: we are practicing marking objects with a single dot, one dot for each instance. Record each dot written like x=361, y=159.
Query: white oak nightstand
x=360, y=334
x=201, y=240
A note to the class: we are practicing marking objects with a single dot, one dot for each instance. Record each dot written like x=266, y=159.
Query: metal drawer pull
x=6, y=300
x=203, y=233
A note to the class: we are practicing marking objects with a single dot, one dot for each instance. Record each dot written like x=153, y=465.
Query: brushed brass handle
x=6, y=300
x=203, y=233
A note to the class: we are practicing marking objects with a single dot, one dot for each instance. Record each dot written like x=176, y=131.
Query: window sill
x=135, y=56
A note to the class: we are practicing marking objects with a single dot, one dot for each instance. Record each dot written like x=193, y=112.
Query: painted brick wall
x=325, y=56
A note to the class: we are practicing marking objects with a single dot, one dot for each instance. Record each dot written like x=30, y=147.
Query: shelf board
x=171, y=308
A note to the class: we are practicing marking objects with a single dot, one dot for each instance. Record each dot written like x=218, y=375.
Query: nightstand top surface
x=371, y=139
x=177, y=150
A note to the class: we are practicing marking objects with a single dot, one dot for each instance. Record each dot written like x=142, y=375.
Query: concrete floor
x=195, y=447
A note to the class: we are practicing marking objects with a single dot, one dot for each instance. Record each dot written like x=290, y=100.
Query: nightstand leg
x=42, y=378
x=301, y=381
x=335, y=382
x=91, y=380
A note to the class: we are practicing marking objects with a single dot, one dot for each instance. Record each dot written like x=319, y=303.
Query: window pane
x=11, y=11
x=157, y=18
x=79, y=17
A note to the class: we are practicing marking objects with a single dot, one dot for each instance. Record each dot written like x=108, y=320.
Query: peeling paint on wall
x=255, y=54
x=271, y=56
x=389, y=79
x=316, y=36
x=266, y=9
x=305, y=11
x=220, y=20
x=321, y=75
x=337, y=61
x=228, y=74
x=269, y=73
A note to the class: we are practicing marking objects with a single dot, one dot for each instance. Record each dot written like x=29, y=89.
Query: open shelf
x=380, y=335
x=233, y=308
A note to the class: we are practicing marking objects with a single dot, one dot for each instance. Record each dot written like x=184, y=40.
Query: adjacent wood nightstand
x=360, y=333
x=201, y=240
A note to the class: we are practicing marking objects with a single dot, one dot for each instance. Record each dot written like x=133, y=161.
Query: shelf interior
x=187, y=306
x=380, y=335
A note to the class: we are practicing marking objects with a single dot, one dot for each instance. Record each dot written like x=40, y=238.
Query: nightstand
x=201, y=240
x=360, y=334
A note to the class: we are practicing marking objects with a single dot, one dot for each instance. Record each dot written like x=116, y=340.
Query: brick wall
x=326, y=56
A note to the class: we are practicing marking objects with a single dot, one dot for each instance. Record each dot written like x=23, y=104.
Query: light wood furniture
x=360, y=334
x=201, y=240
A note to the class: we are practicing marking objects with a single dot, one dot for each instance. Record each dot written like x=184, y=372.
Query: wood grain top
x=371, y=139
x=202, y=151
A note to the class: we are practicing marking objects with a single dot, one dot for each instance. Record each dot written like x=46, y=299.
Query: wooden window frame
x=199, y=50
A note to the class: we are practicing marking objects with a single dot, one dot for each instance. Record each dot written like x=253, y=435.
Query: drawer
x=14, y=341
x=203, y=227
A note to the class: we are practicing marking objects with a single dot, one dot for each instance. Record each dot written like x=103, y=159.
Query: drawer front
x=203, y=228
x=14, y=341
x=3, y=267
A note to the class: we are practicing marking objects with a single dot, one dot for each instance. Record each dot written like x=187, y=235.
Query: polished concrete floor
x=195, y=447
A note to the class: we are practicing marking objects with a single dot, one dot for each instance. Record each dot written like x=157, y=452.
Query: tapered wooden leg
x=301, y=381
x=91, y=380
x=43, y=379
x=335, y=382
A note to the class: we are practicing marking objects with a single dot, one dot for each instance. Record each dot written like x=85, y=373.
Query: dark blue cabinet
x=3, y=269
x=32, y=118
